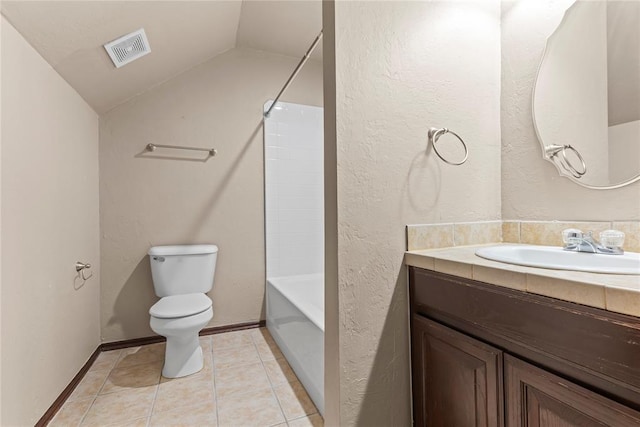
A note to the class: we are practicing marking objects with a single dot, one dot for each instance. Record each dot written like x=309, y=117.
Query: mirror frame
x=545, y=155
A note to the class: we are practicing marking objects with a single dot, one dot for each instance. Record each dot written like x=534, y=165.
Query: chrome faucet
x=610, y=242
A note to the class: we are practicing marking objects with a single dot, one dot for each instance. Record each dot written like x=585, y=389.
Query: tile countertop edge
x=613, y=292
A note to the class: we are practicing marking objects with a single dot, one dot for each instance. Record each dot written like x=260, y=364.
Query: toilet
x=182, y=275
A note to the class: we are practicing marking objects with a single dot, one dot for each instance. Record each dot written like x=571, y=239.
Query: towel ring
x=553, y=150
x=434, y=135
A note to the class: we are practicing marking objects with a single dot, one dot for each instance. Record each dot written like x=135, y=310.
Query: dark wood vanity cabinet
x=484, y=355
x=458, y=379
x=535, y=397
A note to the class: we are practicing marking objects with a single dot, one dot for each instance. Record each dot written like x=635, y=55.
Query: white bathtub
x=295, y=319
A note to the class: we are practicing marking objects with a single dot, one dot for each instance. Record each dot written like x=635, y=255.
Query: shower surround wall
x=294, y=191
x=149, y=201
x=294, y=210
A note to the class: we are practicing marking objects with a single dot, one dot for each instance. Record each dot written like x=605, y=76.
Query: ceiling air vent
x=128, y=48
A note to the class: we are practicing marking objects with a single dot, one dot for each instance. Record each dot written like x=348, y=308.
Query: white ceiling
x=182, y=34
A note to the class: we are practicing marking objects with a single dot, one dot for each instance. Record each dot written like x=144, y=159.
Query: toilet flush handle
x=158, y=258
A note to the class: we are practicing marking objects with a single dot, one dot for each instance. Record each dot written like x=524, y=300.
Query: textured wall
x=50, y=321
x=400, y=68
x=531, y=186
x=145, y=200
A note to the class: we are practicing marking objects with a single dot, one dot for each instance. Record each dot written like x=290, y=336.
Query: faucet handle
x=572, y=236
x=612, y=238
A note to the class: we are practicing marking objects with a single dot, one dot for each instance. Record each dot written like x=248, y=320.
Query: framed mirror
x=586, y=99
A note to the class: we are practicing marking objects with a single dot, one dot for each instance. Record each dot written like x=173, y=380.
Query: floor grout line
x=85, y=412
x=94, y=397
x=213, y=379
x=246, y=332
x=153, y=402
x=273, y=390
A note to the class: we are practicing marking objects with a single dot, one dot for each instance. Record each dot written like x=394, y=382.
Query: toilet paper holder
x=81, y=267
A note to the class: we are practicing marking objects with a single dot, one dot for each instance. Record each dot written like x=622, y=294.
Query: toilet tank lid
x=183, y=250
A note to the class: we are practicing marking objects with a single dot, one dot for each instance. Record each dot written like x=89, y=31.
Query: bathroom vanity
x=497, y=354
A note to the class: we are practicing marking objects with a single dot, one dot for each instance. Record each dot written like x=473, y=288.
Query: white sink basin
x=558, y=259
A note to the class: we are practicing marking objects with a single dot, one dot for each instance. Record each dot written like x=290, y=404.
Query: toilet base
x=183, y=356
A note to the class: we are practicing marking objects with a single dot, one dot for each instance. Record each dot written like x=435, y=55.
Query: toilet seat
x=177, y=306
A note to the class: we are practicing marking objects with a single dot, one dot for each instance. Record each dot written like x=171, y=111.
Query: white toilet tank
x=182, y=269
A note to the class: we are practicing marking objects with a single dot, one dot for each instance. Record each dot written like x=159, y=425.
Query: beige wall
x=146, y=200
x=49, y=221
x=332, y=350
x=402, y=67
x=531, y=186
x=1, y=25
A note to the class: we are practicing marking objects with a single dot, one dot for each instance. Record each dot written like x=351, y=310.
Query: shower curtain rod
x=295, y=73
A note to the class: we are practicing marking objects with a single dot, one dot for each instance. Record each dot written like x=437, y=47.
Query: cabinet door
x=457, y=380
x=535, y=397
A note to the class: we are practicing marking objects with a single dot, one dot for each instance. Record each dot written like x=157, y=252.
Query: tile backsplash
x=631, y=229
x=549, y=233
x=433, y=236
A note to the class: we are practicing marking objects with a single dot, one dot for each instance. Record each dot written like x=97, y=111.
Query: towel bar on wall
x=152, y=147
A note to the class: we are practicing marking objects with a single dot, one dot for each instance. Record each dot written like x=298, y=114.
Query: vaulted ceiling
x=182, y=34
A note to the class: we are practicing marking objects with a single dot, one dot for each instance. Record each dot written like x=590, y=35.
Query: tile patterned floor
x=245, y=382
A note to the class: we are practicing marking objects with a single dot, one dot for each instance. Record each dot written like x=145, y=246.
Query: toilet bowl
x=180, y=319
x=181, y=277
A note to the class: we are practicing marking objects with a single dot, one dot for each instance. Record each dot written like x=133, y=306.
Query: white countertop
x=614, y=292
